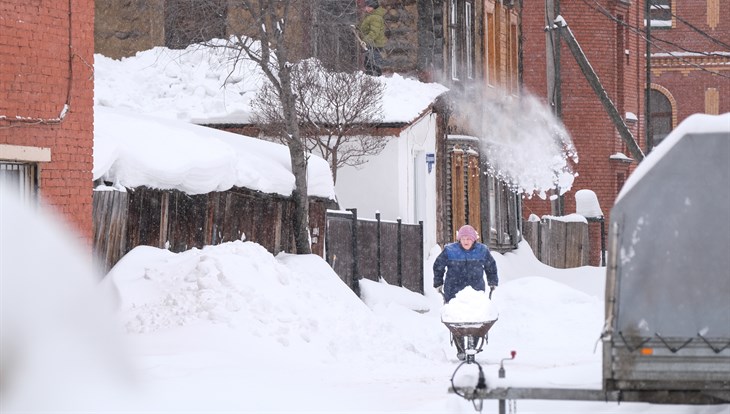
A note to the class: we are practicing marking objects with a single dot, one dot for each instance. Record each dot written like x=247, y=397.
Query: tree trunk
x=300, y=195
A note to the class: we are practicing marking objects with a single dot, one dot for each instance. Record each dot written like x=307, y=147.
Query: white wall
x=387, y=182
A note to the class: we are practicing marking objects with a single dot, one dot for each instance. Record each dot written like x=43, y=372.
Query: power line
x=599, y=8
x=696, y=29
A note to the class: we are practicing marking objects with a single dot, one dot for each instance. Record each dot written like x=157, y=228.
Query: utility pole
x=647, y=95
x=552, y=58
x=595, y=83
x=554, y=81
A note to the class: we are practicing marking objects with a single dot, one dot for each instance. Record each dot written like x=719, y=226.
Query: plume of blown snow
x=524, y=143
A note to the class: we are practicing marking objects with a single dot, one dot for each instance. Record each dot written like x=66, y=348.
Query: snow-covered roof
x=209, y=85
x=204, y=85
x=132, y=150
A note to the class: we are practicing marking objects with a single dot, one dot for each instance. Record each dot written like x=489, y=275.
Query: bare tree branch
x=334, y=109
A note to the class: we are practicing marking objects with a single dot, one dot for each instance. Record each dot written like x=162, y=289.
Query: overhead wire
x=600, y=9
x=693, y=27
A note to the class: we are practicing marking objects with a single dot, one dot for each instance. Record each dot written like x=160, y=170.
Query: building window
x=469, y=39
x=453, y=40
x=661, y=116
x=660, y=13
x=491, y=50
x=503, y=207
x=20, y=179
x=461, y=39
x=514, y=59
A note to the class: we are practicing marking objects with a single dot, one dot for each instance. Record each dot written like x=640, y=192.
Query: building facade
x=690, y=62
x=46, y=105
x=610, y=33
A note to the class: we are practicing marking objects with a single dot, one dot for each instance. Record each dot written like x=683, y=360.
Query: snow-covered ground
x=232, y=328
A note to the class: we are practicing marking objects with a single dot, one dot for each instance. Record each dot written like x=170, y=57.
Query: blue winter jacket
x=465, y=268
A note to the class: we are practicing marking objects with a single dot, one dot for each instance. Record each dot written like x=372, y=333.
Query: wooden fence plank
x=178, y=221
x=558, y=243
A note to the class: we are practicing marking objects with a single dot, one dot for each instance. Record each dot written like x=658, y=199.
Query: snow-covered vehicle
x=667, y=332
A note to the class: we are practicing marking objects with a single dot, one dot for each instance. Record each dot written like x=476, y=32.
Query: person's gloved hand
x=491, y=289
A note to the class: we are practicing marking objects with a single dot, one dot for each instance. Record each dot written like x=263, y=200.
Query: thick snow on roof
x=173, y=88
x=209, y=85
x=132, y=150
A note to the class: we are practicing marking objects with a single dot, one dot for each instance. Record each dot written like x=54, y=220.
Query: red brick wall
x=685, y=80
x=622, y=75
x=46, y=62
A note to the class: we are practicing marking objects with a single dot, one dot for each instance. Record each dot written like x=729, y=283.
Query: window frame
x=663, y=11
x=21, y=178
x=461, y=28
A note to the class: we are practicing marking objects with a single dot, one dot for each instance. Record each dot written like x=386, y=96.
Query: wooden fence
x=177, y=221
x=560, y=244
x=375, y=250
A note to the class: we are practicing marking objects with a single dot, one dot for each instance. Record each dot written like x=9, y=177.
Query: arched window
x=661, y=116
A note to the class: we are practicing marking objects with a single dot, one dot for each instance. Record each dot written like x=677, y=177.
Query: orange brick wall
x=592, y=131
x=46, y=62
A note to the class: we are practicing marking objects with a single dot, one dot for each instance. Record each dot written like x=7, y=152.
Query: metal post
x=400, y=255
x=420, y=233
x=603, y=241
x=355, y=282
x=647, y=93
x=378, y=261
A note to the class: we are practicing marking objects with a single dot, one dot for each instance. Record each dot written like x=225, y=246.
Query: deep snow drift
x=233, y=328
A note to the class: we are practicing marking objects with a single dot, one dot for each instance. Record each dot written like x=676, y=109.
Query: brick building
x=46, y=105
x=690, y=62
x=608, y=32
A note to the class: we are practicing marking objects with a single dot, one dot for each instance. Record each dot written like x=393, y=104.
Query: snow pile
x=469, y=305
x=377, y=294
x=230, y=328
x=586, y=204
x=56, y=334
x=283, y=301
x=214, y=85
x=133, y=150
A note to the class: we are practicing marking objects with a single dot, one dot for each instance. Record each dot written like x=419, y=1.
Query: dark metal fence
x=375, y=250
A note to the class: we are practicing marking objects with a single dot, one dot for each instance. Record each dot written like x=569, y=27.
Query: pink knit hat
x=468, y=232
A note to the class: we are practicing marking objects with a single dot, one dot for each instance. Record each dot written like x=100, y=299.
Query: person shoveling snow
x=462, y=265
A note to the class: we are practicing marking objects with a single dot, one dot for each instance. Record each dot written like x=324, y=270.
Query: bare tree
x=275, y=34
x=269, y=47
x=334, y=109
